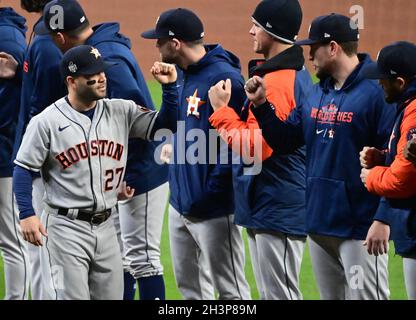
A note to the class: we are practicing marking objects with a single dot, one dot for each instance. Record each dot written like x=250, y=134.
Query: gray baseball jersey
x=57, y=143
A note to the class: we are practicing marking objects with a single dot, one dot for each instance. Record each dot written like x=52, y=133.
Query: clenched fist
x=256, y=90
x=371, y=157
x=8, y=66
x=164, y=73
x=220, y=94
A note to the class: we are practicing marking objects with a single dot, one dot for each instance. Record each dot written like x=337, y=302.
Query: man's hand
x=364, y=175
x=377, y=241
x=220, y=94
x=410, y=151
x=164, y=73
x=256, y=90
x=33, y=230
x=125, y=192
x=8, y=66
x=166, y=154
x=371, y=157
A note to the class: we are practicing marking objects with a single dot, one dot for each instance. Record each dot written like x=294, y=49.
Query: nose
x=102, y=77
x=252, y=30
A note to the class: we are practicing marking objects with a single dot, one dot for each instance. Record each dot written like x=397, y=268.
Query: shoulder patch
x=411, y=134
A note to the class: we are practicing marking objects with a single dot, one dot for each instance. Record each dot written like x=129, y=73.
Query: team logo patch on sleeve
x=411, y=134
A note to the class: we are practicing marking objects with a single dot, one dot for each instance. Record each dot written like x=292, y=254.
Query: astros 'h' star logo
x=193, y=104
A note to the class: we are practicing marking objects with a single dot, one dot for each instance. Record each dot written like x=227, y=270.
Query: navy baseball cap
x=395, y=60
x=83, y=60
x=178, y=23
x=333, y=27
x=61, y=15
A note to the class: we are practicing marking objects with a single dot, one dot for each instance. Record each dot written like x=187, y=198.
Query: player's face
x=392, y=89
x=261, y=40
x=91, y=88
x=319, y=55
x=167, y=50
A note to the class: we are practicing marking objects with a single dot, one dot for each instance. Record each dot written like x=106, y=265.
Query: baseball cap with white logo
x=83, y=60
x=61, y=16
x=332, y=27
x=180, y=23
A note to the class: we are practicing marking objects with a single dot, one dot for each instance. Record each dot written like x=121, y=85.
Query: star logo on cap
x=96, y=53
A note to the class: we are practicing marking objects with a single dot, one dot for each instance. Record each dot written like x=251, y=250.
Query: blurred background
x=228, y=22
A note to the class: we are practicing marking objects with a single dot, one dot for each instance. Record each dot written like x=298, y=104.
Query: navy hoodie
x=203, y=189
x=335, y=125
x=125, y=81
x=12, y=41
x=42, y=82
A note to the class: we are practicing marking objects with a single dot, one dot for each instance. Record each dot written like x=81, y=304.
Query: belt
x=94, y=218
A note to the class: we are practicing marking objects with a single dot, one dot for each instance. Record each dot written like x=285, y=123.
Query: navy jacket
x=12, y=41
x=42, y=82
x=335, y=125
x=125, y=81
x=203, y=189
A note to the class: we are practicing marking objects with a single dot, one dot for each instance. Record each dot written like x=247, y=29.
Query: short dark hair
x=33, y=5
x=194, y=43
x=75, y=33
x=350, y=48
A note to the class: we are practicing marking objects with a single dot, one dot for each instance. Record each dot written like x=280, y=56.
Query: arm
x=32, y=228
x=398, y=180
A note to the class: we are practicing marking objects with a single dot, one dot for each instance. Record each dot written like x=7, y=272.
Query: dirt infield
x=228, y=21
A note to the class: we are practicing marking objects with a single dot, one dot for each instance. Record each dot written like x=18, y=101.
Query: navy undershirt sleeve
x=22, y=187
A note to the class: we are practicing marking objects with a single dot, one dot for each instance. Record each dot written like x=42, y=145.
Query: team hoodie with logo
x=200, y=187
x=335, y=125
x=126, y=81
x=274, y=199
x=396, y=181
x=12, y=41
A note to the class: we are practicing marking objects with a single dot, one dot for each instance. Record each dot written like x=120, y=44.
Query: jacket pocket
x=328, y=208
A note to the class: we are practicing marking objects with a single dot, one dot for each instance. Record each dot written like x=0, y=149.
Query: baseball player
x=342, y=114
x=206, y=247
x=395, y=177
x=79, y=145
x=42, y=85
x=141, y=218
x=14, y=250
x=271, y=203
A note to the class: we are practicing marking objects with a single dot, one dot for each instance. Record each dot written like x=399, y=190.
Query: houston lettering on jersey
x=79, y=152
x=330, y=115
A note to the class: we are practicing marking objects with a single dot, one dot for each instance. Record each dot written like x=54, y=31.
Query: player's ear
x=176, y=44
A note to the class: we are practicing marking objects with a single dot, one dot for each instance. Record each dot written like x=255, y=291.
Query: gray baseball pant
x=208, y=254
x=12, y=245
x=409, y=268
x=345, y=271
x=80, y=261
x=141, y=222
x=276, y=260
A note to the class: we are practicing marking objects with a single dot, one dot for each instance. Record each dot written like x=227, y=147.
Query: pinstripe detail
x=49, y=257
x=20, y=245
x=232, y=256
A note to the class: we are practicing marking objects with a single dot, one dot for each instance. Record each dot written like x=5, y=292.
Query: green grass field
x=308, y=285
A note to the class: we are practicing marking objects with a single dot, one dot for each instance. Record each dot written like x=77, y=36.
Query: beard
x=87, y=94
x=322, y=74
x=392, y=96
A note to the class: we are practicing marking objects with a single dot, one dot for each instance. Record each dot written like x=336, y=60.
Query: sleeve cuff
x=263, y=112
